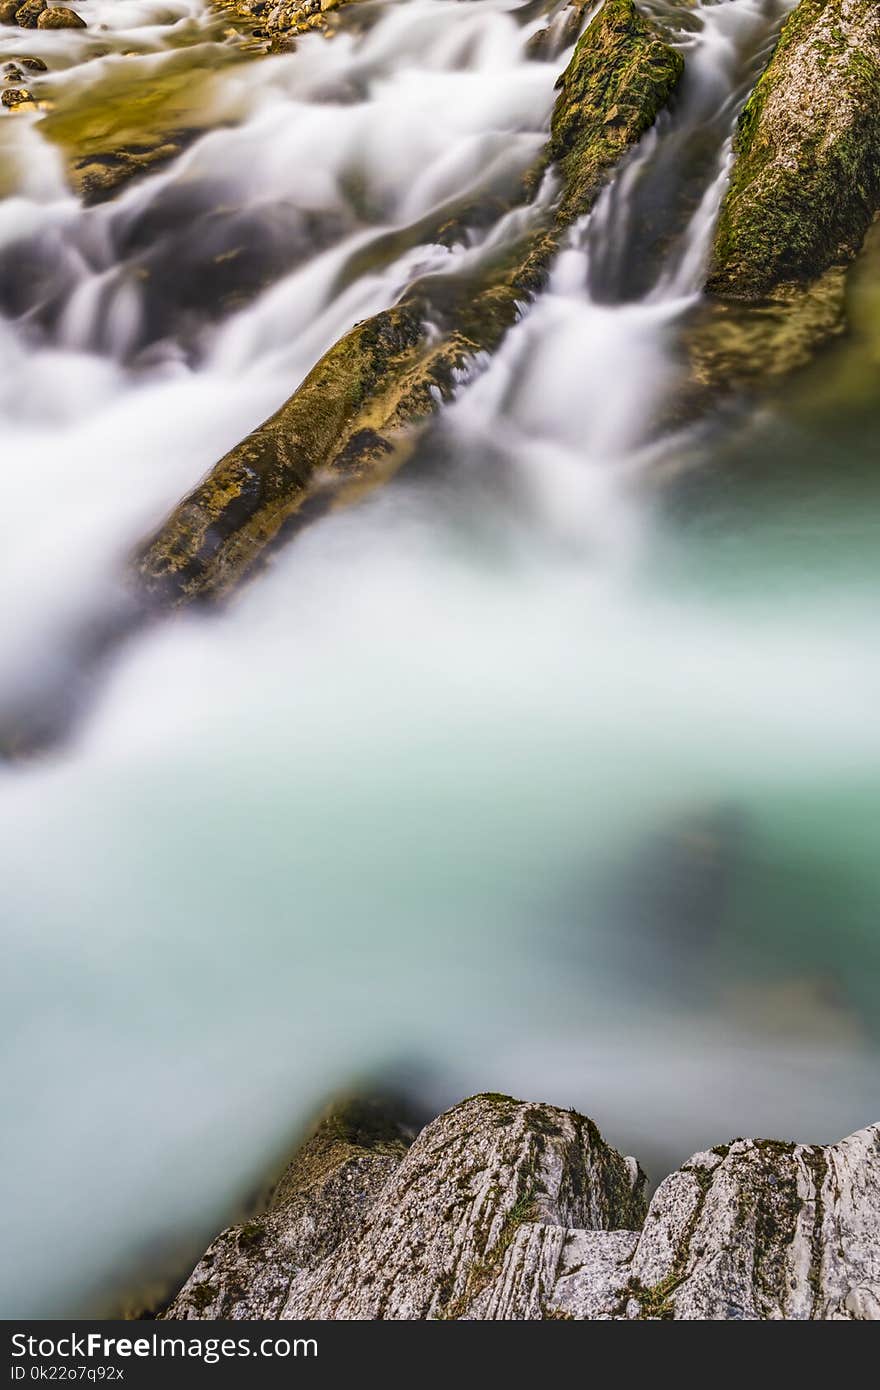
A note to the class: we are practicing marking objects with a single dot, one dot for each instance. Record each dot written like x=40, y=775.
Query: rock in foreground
x=507, y=1210
x=320, y=1199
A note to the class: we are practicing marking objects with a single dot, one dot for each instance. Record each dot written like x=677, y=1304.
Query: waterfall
x=504, y=777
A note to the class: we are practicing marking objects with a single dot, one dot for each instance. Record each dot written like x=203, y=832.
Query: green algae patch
x=620, y=77
x=141, y=111
x=356, y=388
x=732, y=344
x=806, y=178
x=844, y=380
x=389, y=373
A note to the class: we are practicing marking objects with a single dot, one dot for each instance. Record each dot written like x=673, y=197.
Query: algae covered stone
x=621, y=75
x=393, y=371
x=806, y=178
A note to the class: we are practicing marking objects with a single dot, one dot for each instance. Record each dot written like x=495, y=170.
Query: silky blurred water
x=528, y=773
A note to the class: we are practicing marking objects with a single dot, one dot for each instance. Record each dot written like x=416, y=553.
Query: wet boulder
x=805, y=184
x=27, y=15
x=546, y=44
x=16, y=96
x=620, y=77
x=60, y=17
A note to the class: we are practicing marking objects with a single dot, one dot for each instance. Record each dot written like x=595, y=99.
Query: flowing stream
x=551, y=767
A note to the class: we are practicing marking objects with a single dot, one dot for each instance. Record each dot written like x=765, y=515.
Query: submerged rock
x=60, y=17
x=133, y=118
x=806, y=178
x=393, y=371
x=507, y=1210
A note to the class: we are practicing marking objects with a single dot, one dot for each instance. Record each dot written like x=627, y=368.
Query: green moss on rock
x=391, y=371
x=621, y=75
x=806, y=178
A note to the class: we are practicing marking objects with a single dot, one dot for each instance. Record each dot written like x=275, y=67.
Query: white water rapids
x=498, y=780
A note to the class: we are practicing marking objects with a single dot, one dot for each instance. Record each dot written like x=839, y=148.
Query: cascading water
x=484, y=783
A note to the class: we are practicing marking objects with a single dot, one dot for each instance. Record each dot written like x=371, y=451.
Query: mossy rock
x=391, y=372
x=621, y=75
x=732, y=344
x=806, y=178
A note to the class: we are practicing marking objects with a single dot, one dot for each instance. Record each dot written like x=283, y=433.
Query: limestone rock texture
x=761, y=1229
x=489, y=1169
x=508, y=1210
x=805, y=184
x=339, y=1171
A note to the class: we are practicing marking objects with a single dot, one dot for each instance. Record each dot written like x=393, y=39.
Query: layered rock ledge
x=502, y=1209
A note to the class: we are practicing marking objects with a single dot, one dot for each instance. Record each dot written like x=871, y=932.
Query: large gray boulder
x=754, y=1230
x=504, y=1210
x=436, y=1239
